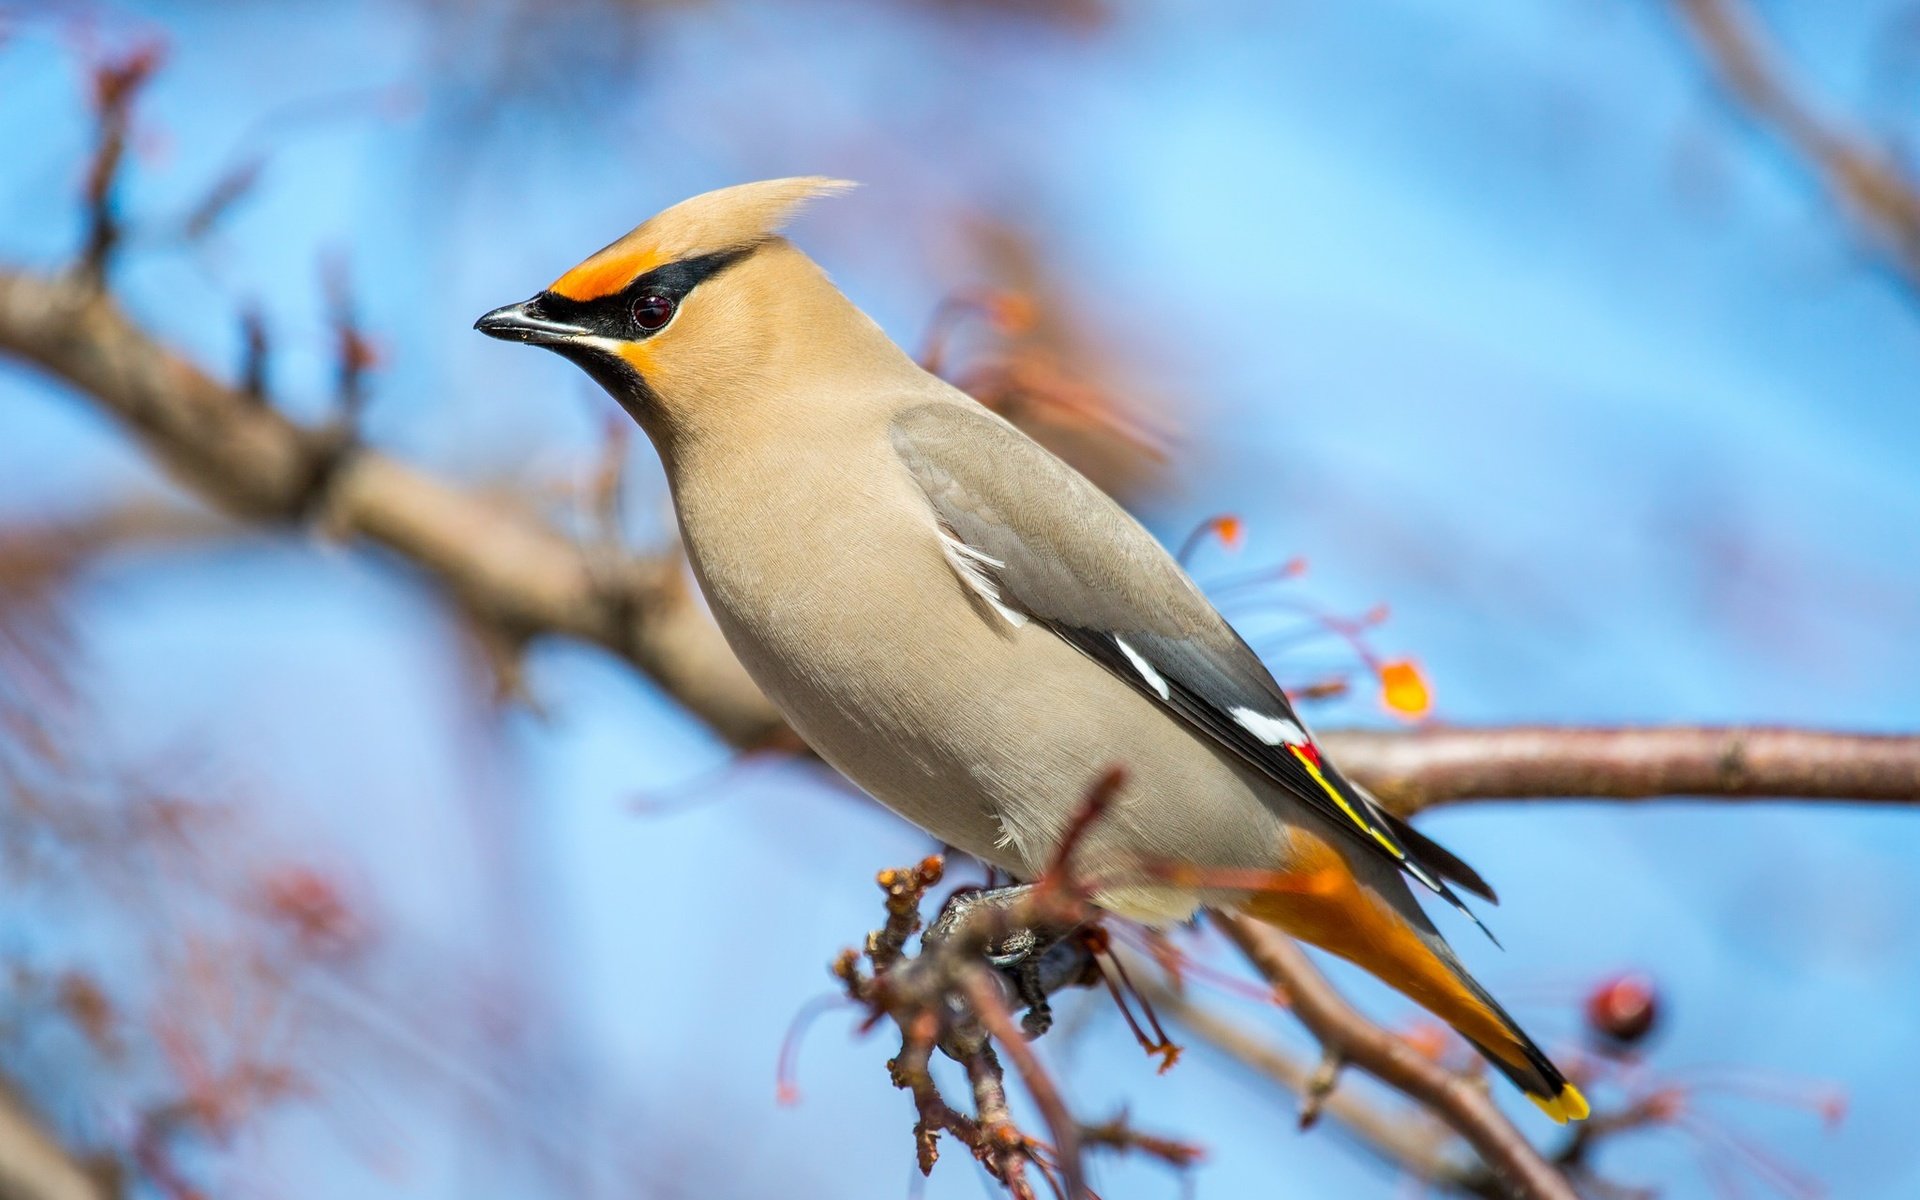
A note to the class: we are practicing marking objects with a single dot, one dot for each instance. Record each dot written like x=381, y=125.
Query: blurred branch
x=34, y=1166
x=1350, y=1038
x=50, y=549
x=1413, y=1145
x=1877, y=195
x=1412, y=771
x=504, y=564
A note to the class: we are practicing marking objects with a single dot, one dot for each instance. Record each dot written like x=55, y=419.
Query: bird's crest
x=731, y=218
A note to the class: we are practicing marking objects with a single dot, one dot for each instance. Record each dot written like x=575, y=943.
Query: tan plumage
x=966, y=627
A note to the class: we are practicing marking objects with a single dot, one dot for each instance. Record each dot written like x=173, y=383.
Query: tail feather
x=1521, y=1060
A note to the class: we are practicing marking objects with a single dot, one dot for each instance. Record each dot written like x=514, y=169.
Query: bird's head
x=702, y=303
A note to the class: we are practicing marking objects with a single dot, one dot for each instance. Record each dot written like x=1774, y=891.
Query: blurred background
x=1510, y=317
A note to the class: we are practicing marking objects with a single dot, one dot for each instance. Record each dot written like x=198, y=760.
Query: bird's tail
x=1379, y=926
x=1516, y=1056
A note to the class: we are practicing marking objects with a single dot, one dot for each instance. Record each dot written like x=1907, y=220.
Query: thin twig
x=1407, y=1141
x=116, y=85
x=945, y=996
x=983, y=993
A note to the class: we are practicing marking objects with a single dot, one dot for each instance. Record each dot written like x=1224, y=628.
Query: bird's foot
x=1035, y=963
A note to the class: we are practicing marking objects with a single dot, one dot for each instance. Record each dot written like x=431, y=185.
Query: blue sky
x=1494, y=312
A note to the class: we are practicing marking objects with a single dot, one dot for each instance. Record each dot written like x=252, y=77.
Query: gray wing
x=1035, y=540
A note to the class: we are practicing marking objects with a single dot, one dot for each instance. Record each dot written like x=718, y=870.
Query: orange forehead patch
x=606, y=273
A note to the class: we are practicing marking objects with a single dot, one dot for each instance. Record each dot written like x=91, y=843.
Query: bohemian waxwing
x=966, y=627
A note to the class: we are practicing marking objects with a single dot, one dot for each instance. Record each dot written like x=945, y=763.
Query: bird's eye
x=652, y=312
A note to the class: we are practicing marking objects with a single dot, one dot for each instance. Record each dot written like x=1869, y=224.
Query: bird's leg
x=1035, y=962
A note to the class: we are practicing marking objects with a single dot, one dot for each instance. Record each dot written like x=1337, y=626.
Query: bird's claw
x=1017, y=954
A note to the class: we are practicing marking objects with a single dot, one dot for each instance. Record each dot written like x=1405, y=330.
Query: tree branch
x=1463, y=1104
x=1410, y=772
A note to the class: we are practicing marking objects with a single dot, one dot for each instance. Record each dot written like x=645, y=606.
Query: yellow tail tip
x=1569, y=1105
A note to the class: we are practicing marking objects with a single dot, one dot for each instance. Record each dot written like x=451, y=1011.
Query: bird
x=973, y=632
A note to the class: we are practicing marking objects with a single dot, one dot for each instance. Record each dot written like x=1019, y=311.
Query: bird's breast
x=827, y=578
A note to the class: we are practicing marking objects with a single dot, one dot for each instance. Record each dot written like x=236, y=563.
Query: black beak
x=524, y=322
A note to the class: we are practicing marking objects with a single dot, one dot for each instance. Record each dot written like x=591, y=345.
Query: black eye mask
x=629, y=314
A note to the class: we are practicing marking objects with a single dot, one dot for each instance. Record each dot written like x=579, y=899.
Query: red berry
x=1623, y=1009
